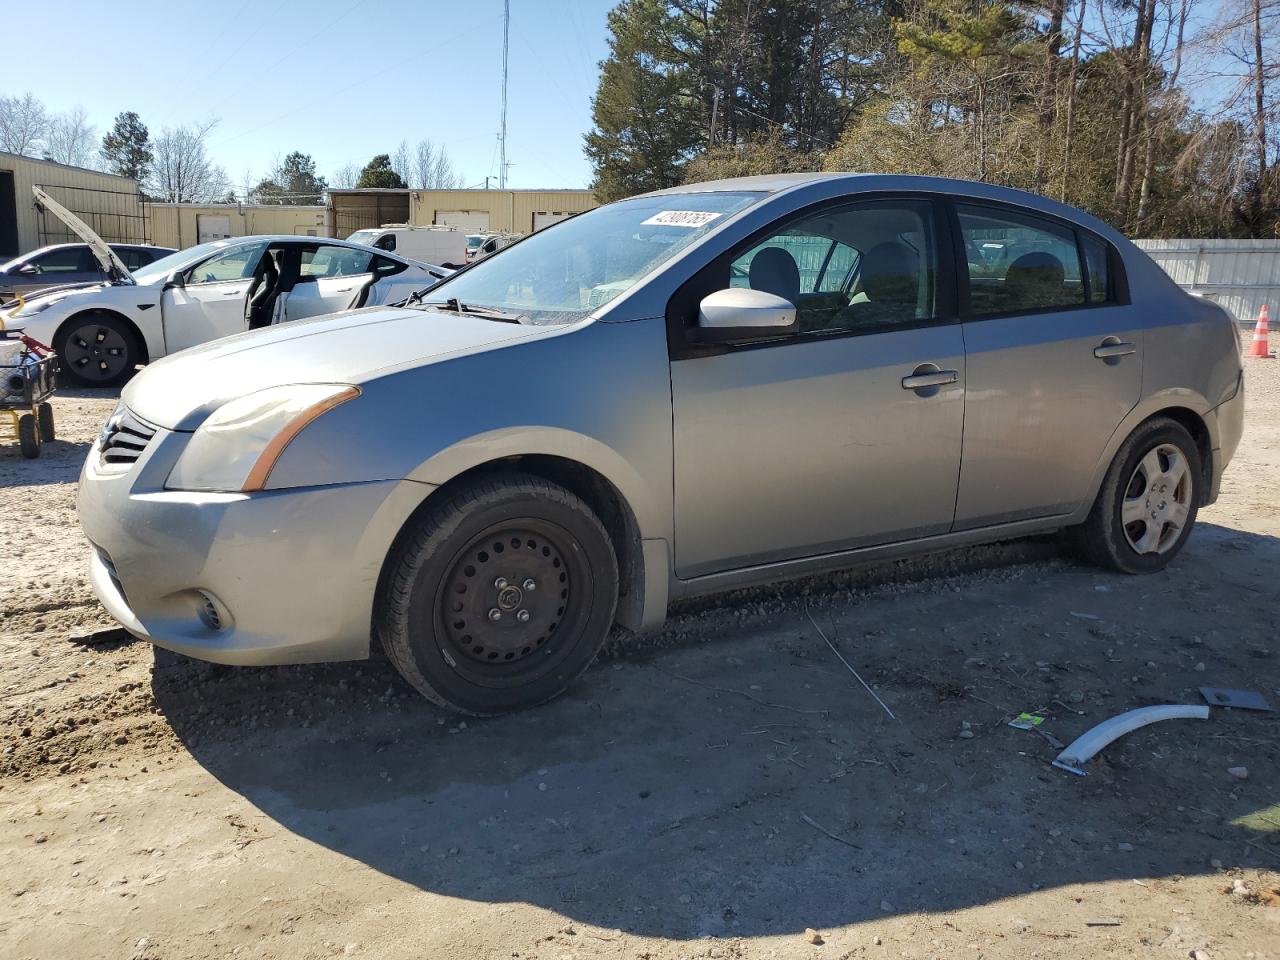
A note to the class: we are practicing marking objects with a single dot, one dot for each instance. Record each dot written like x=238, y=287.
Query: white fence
x=1241, y=275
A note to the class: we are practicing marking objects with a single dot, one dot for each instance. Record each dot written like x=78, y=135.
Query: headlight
x=241, y=441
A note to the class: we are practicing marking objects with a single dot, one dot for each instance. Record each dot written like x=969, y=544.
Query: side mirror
x=176, y=279
x=740, y=313
x=28, y=270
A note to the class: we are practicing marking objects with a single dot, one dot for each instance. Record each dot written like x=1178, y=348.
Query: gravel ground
x=718, y=789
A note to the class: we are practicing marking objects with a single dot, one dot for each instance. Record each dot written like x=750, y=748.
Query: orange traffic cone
x=1259, y=348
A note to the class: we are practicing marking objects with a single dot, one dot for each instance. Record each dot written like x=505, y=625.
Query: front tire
x=97, y=349
x=1148, y=501
x=500, y=597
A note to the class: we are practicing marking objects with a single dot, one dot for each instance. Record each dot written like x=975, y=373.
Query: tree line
x=1159, y=116
x=176, y=165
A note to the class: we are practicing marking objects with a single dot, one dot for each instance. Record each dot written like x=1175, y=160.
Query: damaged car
x=690, y=391
x=103, y=331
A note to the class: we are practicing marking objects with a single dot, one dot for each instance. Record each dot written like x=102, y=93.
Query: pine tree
x=646, y=110
x=378, y=173
x=127, y=147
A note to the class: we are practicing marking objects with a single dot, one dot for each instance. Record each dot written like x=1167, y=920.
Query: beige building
x=496, y=211
x=111, y=205
x=186, y=224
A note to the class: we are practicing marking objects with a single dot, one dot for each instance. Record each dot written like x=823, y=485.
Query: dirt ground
x=714, y=790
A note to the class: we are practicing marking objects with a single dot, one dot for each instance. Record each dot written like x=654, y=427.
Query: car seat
x=889, y=276
x=1035, y=279
x=263, y=291
x=773, y=270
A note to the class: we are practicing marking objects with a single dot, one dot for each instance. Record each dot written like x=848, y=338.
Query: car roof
x=775, y=184
x=327, y=241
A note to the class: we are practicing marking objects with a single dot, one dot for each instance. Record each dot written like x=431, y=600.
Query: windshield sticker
x=681, y=218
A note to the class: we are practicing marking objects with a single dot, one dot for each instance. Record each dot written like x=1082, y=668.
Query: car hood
x=111, y=264
x=180, y=391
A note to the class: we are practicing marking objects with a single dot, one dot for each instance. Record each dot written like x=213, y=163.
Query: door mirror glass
x=741, y=313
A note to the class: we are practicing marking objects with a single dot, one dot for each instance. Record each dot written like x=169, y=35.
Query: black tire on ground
x=28, y=439
x=500, y=596
x=1107, y=539
x=97, y=349
x=45, y=416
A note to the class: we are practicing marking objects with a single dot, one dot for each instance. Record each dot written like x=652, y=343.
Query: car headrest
x=774, y=270
x=1035, y=278
x=890, y=273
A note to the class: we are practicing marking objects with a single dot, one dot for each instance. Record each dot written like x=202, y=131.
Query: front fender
x=531, y=440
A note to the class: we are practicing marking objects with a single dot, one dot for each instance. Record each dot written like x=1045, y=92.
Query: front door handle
x=1113, y=347
x=923, y=379
x=234, y=293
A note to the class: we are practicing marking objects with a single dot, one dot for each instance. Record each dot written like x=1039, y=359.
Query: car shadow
x=728, y=777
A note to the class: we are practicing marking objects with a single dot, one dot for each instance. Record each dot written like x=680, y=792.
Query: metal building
x=111, y=205
x=1241, y=275
x=185, y=224
x=350, y=210
x=498, y=211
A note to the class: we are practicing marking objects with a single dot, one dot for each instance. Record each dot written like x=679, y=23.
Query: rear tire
x=45, y=415
x=500, y=597
x=97, y=349
x=1148, y=501
x=28, y=439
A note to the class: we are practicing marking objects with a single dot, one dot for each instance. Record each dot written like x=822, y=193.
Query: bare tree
x=71, y=138
x=23, y=125
x=346, y=176
x=182, y=171
x=432, y=168
x=402, y=162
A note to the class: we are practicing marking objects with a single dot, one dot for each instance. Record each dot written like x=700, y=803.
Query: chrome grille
x=123, y=439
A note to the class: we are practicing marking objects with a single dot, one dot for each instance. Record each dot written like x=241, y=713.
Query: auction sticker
x=680, y=218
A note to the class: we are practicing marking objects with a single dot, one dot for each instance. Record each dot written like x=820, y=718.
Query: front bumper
x=285, y=576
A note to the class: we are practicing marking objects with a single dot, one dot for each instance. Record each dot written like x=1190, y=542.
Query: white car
x=102, y=331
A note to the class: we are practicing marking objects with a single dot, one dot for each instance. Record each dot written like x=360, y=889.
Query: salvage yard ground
x=715, y=790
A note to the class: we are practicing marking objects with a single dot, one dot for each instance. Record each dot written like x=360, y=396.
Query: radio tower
x=502, y=136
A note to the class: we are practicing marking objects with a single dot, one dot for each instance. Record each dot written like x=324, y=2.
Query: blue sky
x=341, y=80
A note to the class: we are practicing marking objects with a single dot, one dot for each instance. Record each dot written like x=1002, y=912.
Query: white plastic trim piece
x=1085, y=747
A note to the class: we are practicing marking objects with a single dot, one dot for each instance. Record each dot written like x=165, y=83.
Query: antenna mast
x=502, y=136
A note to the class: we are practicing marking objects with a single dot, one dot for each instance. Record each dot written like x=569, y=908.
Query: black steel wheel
x=44, y=413
x=499, y=597
x=28, y=438
x=97, y=349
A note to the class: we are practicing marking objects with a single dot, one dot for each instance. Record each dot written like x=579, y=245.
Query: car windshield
x=560, y=275
x=474, y=241
x=177, y=261
x=364, y=236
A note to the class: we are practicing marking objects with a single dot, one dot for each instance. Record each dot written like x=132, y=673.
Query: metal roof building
x=111, y=205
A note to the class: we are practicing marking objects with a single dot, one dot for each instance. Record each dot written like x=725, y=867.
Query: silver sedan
x=684, y=392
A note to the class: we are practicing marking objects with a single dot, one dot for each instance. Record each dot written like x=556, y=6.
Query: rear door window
x=1018, y=263
x=1096, y=260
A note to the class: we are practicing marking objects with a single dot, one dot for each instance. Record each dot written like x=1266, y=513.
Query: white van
x=446, y=246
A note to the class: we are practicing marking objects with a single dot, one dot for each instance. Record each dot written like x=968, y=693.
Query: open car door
x=330, y=278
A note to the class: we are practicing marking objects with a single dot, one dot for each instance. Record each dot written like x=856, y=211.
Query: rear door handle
x=1112, y=347
x=234, y=293
x=938, y=378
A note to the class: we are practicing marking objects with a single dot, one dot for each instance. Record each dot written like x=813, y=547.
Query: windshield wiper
x=457, y=306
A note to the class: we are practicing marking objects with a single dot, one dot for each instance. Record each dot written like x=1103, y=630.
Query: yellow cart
x=26, y=383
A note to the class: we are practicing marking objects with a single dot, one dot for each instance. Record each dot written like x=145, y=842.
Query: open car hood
x=111, y=264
